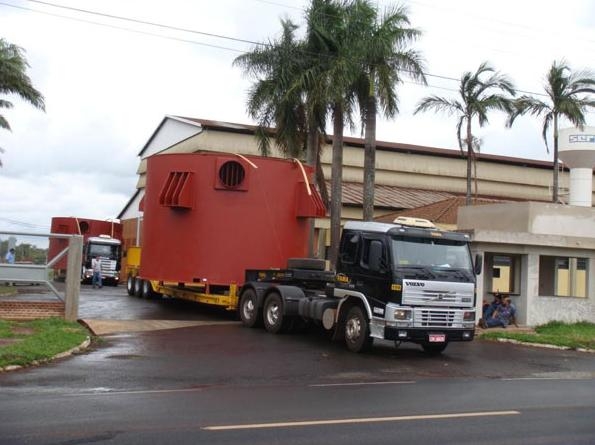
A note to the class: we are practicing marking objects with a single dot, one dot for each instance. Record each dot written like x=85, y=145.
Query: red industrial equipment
x=89, y=229
x=210, y=216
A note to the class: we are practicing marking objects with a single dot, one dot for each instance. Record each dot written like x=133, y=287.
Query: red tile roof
x=391, y=197
x=440, y=212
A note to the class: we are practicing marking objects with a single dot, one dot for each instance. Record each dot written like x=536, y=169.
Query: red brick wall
x=30, y=310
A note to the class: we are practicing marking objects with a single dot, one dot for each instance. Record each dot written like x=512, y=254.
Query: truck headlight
x=402, y=314
x=469, y=316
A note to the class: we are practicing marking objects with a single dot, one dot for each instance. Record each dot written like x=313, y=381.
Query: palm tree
x=381, y=49
x=332, y=25
x=279, y=98
x=478, y=95
x=14, y=80
x=273, y=66
x=568, y=95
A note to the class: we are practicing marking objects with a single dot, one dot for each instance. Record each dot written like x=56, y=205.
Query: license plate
x=437, y=338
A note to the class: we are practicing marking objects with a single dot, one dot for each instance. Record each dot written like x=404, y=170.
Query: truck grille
x=438, y=294
x=108, y=267
x=437, y=318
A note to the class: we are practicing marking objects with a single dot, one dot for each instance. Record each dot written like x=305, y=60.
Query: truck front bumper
x=422, y=335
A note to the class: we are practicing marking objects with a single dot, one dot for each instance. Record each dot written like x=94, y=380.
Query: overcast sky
x=108, y=83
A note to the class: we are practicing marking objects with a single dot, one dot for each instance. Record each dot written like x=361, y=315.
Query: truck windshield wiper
x=416, y=272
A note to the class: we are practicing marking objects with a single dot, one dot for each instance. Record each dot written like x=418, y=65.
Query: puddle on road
x=124, y=356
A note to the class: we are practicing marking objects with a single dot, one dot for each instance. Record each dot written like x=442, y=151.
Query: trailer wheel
x=434, y=348
x=130, y=285
x=249, y=313
x=357, y=330
x=138, y=287
x=274, y=320
x=147, y=290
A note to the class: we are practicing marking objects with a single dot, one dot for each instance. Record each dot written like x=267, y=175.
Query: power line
x=122, y=28
x=143, y=22
x=456, y=12
x=15, y=222
x=174, y=28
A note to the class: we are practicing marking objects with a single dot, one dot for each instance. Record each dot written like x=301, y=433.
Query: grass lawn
x=7, y=290
x=26, y=342
x=571, y=335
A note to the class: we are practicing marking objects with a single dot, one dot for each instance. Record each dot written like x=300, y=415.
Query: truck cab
x=404, y=282
x=108, y=252
x=411, y=283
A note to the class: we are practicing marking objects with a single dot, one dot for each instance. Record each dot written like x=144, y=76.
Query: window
x=367, y=247
x=563, y=276
x=424, y=252
x=505, y=273
x=349, y=248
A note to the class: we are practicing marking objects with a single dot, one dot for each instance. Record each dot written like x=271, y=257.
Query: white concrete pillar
x=581, y=180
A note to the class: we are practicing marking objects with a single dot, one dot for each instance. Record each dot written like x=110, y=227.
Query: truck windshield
x=103, y=250
x=430, y=252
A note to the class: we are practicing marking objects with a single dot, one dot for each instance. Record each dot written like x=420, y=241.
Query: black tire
x=250, y=313
x=357, y=330
x=434, y=348
x=274, y=320
x=138, y=287
x=147, y=290
x=306, y=263
x=130, y=285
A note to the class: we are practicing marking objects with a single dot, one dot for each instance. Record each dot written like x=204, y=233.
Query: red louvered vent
x=177, y=190
x=232, y=174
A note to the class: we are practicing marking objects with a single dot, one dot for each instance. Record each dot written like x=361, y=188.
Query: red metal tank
x=210, y=216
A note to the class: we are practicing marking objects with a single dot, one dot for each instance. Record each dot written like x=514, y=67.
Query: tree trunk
x=556, y=164
x=311, y=144
x=336, y=184
x=321, y=180
x=369, y=159
x=311, y=159
x=469, y=161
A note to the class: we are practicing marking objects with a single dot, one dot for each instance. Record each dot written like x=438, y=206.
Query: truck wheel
x=434, y=348
x=130, y=285
x=138, y=287
x=357, y=330
x=274, y=320
x=249, y=313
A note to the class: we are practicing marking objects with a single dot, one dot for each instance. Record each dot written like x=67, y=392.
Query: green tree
x=14, y=80
x=332, y=27
x=569, y=97
x=279, y=99
x=273, y=66
x=384, y=60
x=479, y=93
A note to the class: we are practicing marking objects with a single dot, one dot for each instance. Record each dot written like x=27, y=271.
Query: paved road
x=229, y=384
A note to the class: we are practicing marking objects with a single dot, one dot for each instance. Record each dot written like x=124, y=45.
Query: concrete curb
x=543, y=345
x=84, y=345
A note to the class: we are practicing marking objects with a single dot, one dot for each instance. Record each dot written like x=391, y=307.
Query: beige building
x=515, y=237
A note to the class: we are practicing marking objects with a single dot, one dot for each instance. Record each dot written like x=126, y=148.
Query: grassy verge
x=571, y=335
x=7, y=290
x=26, y=342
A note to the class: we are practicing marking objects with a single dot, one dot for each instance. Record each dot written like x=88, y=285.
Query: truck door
x=364, y=262
x=375, y=268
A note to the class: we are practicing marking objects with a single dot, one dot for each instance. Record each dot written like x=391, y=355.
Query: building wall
x=446, y=171
x=531, y=231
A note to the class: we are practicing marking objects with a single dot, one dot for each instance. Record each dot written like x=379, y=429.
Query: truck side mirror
x=375, y=256
x=477, y=267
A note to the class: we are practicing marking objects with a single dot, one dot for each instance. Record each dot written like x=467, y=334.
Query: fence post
x=73, y=277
